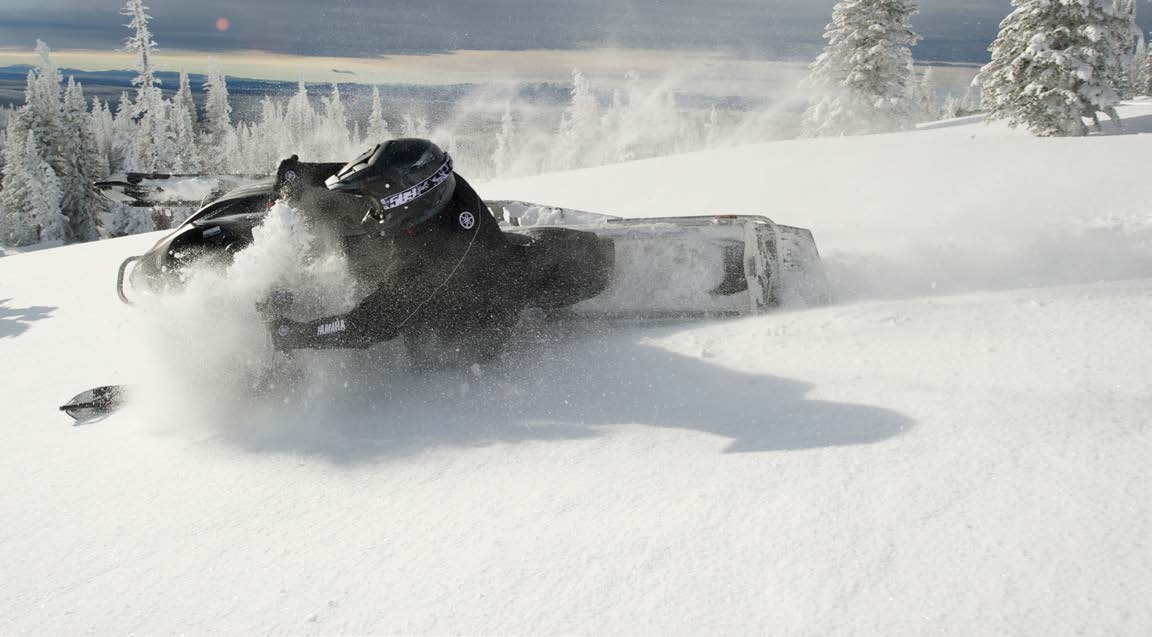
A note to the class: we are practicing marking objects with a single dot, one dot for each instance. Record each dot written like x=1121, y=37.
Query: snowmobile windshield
x=346, y=179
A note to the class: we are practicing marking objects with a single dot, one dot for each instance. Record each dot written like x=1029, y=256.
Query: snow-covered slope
x=961, y=446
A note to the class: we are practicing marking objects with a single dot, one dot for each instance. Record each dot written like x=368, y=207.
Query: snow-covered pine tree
x=1138, y=69
x=123, y=157
x=219, y=140
x=3, y=136
x=65, y=144
x=299, y=119
x=973, y=99
x=1148, y=72
x=929, y=100
x=121, y=220
x=377, y=126
x=630, y=121
x=1124, y=80
x=333, y=136
x=82, y=165
x=41, y=110
x=416, y=126
x=183, y=123
x=103, y=127
x=577, y=125
x=265, y=144
x=149, y=134
x=861, y=78
x=950, y=109
x=16, y=228
x=912, y=93
x=1057, y=62
x=45, y=196
x=30, y=199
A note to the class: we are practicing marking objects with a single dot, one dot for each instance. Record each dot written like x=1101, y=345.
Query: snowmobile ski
x=95, y=403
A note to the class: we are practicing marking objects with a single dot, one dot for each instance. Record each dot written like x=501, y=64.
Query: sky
x=953, y=30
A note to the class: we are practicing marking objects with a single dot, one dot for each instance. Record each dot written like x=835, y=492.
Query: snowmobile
x=706, y=265
x=581, y=265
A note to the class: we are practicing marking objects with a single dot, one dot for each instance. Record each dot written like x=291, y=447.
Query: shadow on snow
x=560, y=388
x=14, y=320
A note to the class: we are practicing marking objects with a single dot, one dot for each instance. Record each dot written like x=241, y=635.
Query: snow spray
x=210, y=352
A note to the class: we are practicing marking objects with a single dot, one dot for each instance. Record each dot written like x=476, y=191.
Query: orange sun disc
x=222, y=24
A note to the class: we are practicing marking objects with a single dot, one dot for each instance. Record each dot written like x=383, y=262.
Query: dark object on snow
x=95, y=403
x=463, y=270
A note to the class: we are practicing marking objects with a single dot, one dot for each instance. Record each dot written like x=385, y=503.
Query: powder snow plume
x=210, y=354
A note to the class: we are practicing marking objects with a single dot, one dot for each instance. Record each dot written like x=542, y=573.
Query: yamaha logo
x=332, y=327
x=290, y=175
x=467, y=220
x=284, y=331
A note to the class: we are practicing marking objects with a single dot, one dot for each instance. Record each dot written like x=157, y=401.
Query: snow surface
x=959, y=446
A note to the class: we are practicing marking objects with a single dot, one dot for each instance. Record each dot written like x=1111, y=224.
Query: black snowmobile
x=553, y=261
x=707, y=265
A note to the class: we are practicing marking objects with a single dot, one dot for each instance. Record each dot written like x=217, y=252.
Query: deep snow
x=959, y=446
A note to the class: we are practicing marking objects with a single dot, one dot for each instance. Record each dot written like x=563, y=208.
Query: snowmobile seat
x=563, y=266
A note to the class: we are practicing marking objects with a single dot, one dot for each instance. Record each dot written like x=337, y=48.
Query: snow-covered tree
x=81, y=164
x=220, y=145
x=912, y=93
x=299, y=118
x=103, y=127
x=3, y=136
x=377, y=125
x=1057, y=62
x=416, y=126
x=65, y=142
x=861, y=78
x=333, y=136
x=15, y=188
x=950, y=108
x=973, y=99
x=578, y=124
x=123, y=155
x=1147, y=75
x=217, y=109
x=150, y=145
x=122, y=220
x=140, y=44
x=1138, y=73
x=41, y=110
x=929, y=101
x=183, y=122
x=265, y=144
x=45, y=201
x=30, y=199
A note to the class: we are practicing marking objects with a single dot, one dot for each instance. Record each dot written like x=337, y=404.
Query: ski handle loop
x=120, y=280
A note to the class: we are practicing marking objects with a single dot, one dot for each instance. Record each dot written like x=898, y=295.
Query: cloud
x=776, y=29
